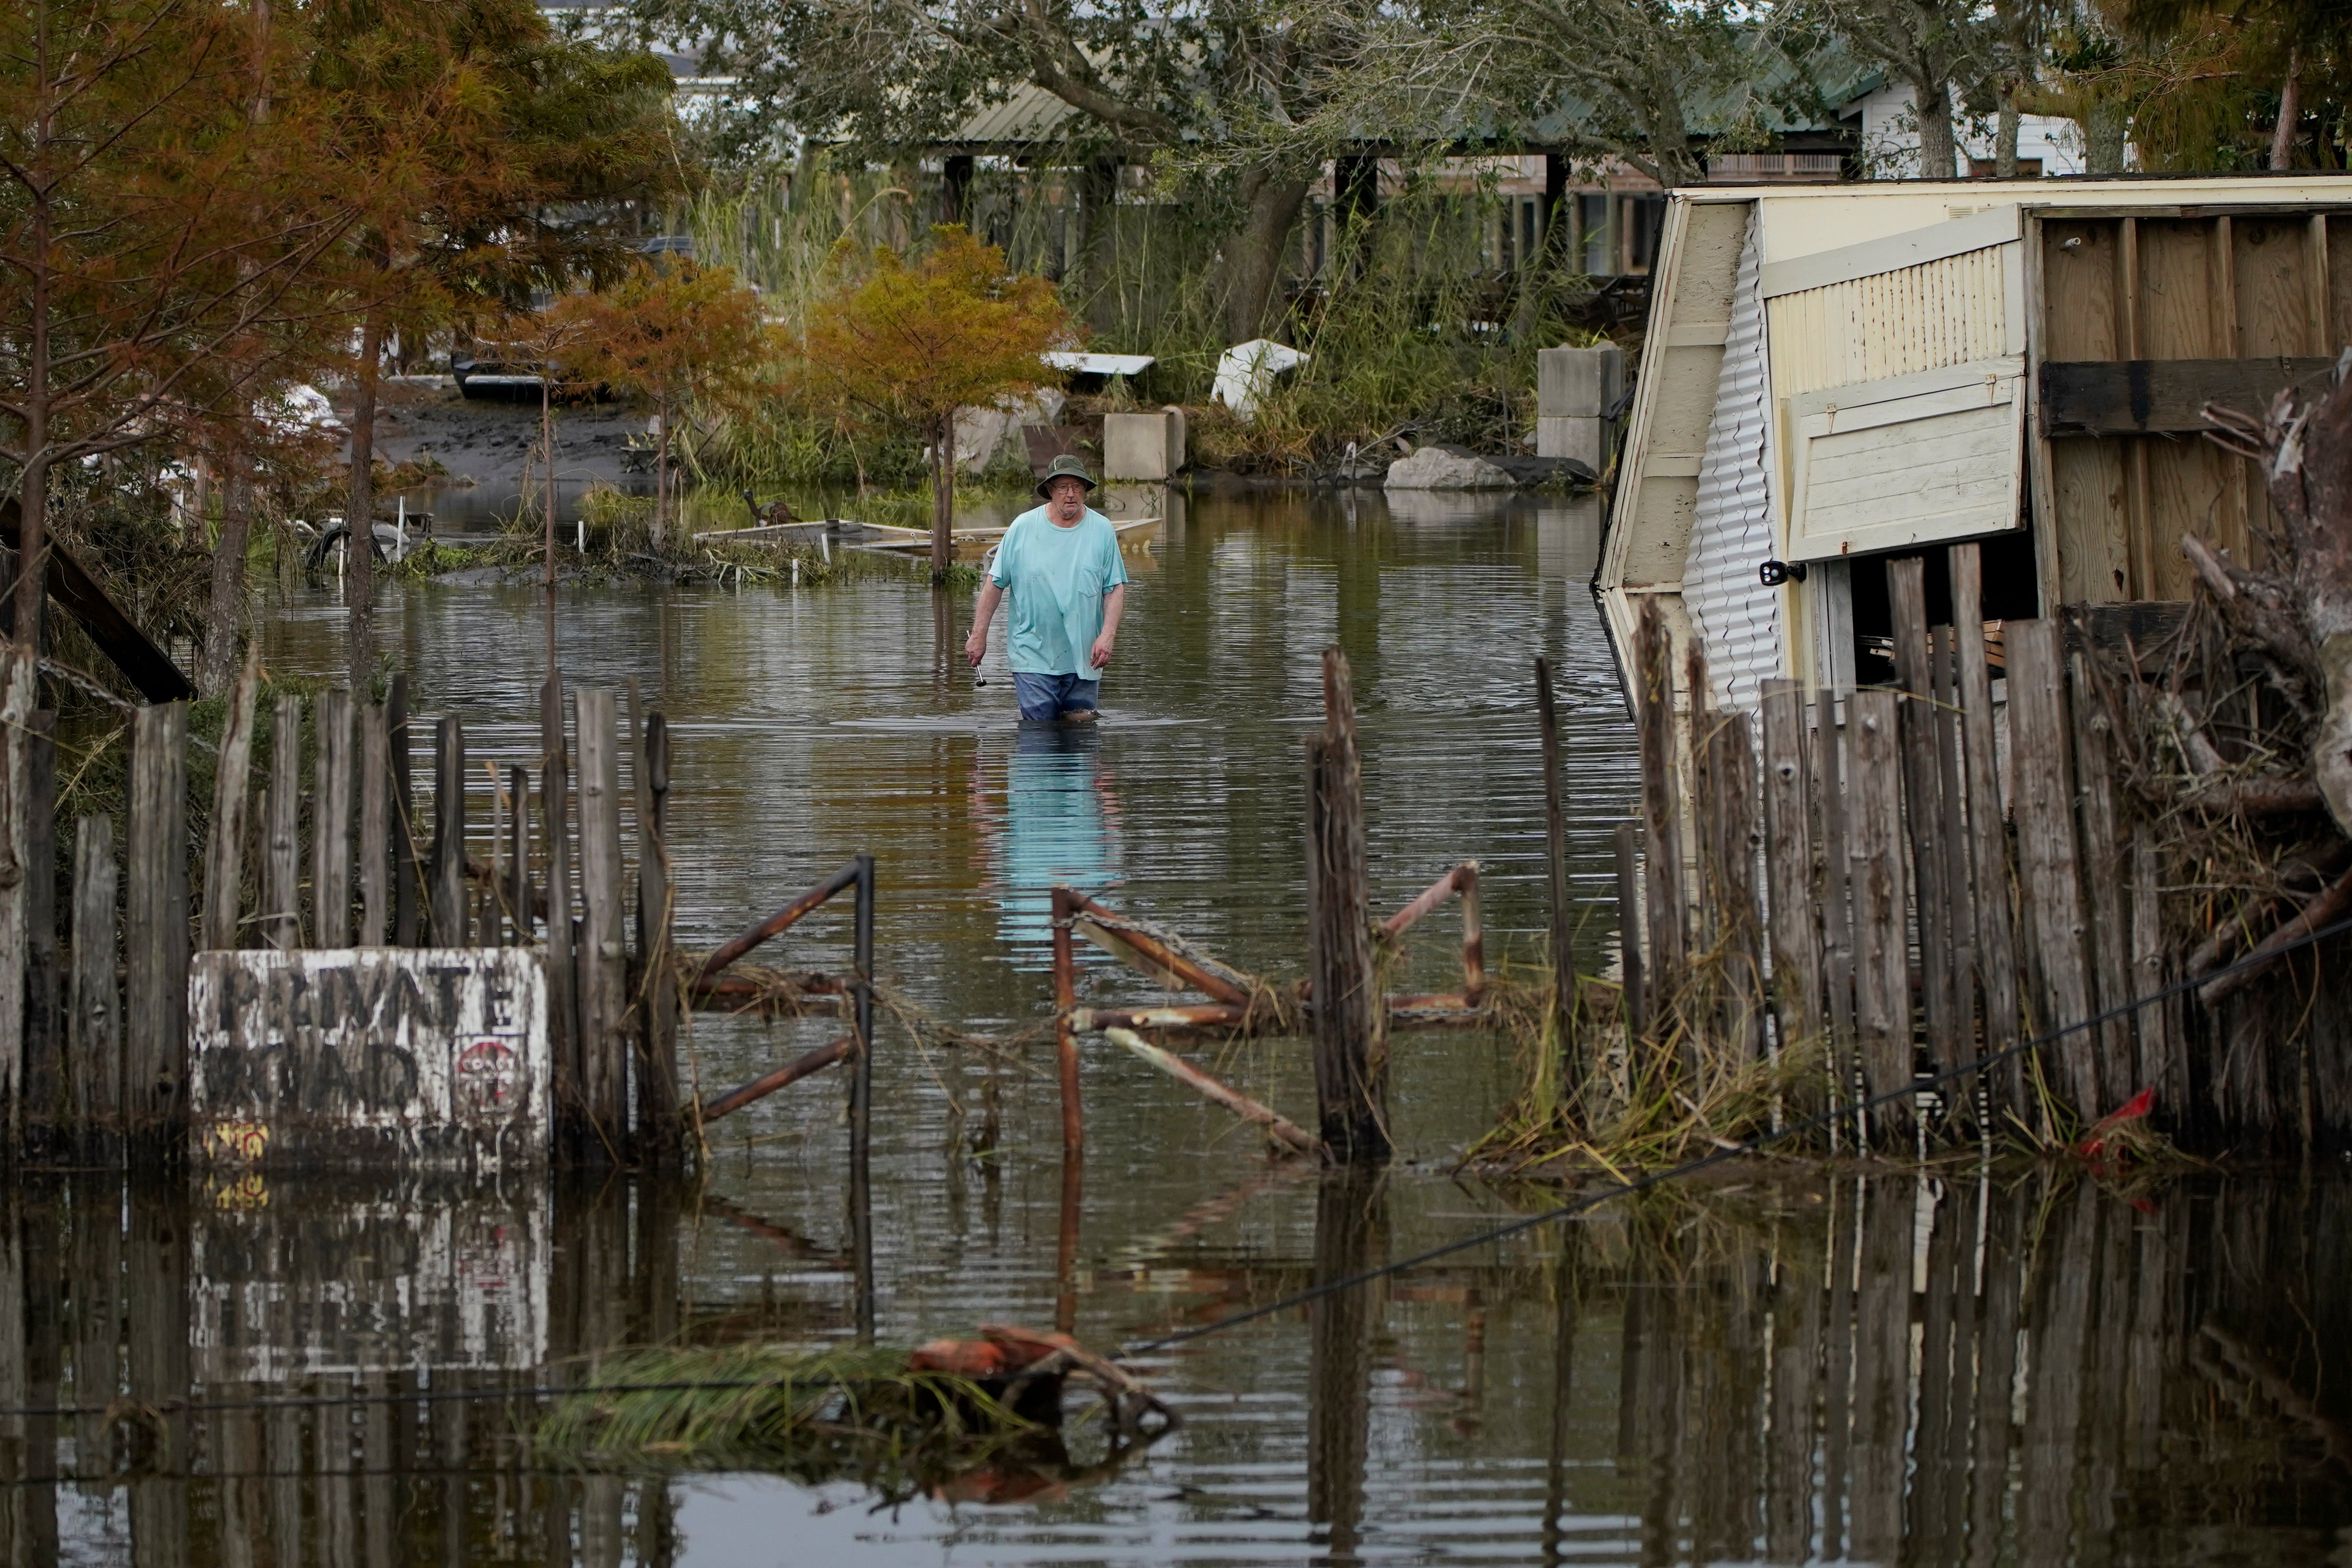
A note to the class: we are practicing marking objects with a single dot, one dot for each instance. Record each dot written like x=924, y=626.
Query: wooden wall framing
x=2151, y=293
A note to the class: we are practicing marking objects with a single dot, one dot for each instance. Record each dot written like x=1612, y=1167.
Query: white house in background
x=1890, y=137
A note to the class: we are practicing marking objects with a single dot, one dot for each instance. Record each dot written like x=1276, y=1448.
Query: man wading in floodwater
x=1059, y=564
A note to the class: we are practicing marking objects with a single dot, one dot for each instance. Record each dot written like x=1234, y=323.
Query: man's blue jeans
x=1051, y=696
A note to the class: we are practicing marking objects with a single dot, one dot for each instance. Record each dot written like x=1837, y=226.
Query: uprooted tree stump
x=2233, y=734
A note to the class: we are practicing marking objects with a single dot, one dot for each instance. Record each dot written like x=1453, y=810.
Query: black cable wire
x=1738, y=1150
x=1297, y=1298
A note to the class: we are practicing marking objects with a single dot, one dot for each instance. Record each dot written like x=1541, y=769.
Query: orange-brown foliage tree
x=485, y=158
x=905, y=344
x=160, y=227
x=673, y=335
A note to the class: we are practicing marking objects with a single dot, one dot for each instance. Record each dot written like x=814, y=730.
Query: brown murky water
x=1786, y=1368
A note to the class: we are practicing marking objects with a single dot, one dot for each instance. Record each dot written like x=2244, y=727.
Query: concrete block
x=1586, y=440
x=1138, y=445
x=1578, y=383
x=1180, y=441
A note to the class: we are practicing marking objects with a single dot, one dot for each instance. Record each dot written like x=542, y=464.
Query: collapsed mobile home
x=1916, y=499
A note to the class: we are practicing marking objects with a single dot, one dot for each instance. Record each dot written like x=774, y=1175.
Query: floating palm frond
x=761, y=1405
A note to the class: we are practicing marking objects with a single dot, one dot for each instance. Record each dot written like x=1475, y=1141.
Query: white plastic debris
x=1245, y=373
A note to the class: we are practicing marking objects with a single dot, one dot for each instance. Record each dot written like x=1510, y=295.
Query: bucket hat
x=1066, y=466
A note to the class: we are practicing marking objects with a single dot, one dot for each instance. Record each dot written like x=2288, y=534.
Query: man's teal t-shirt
x=1054, y=580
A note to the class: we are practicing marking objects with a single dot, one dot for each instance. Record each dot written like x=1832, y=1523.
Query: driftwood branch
x=2330, y=906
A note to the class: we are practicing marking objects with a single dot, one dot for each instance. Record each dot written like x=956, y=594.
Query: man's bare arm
x=975, y=646
x=1114, y=606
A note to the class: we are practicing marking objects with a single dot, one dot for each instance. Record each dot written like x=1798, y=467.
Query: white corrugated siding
x=1890, y=323
x=1738, y=618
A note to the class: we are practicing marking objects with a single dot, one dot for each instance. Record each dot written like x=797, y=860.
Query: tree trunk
x=33, y=498
x=661, y=470
x=1932, y=102
x=2105, y=129
x=218, y=665
x=2290, y=111
x=2004, y=137
x=2310, y=475
x=1257, y=268
x=360, y=517
x=942, y=497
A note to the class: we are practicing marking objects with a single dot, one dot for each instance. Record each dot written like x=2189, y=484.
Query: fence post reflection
x=1566, y=1282
x=1795, y=1391
x=155, y=1300
x=1350, y=1234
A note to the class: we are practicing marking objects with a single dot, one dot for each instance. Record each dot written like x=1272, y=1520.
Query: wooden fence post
x=232, y=780
x=155, y=1014
x=1953, y=836
x=2041, y=764
x=1831, y=774
x=1710, y=919
x=2161, y=1061
x=1791, y=905
x=1875, y=865
x=861, y=1102
x=1668, y=949
x=662, y=1131
x=330, y=822
x=1350, y=1048
x=20, y=687
x=519, y=854
x=448, y=863
x=1736, y=841
x=1922, y=794
x=563, y=1031
x=375, y=825
x=95, y=1004
x=402, y=815
x=2103, y=884
x=1563, y=964
x=45, y=1107
x=604, y=959
x=282, y=894
x=1996, y=944
x=1633, y=992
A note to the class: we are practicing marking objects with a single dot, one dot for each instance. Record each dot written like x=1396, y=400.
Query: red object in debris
x=2132, y=1110
x=977, y=1359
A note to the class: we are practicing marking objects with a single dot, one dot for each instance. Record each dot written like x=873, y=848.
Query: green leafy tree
x=1138, y=82
x=901, y=345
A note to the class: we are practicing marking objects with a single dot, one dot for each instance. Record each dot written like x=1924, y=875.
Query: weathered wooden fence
x=318, y=839
x=1890, y=882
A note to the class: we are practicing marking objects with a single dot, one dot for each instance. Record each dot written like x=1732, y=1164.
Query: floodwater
x=1783, y=1365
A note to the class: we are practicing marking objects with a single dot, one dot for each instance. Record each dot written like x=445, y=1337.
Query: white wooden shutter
x=1910, y=460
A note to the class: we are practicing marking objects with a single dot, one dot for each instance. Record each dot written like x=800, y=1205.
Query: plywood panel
x=2268, y=256
x=2190, y=481
x=2078, y=291
x=2092, y=554
x=2176, y=271
x=2081, y=266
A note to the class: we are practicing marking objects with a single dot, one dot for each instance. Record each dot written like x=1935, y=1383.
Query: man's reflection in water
x=1060, y=824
